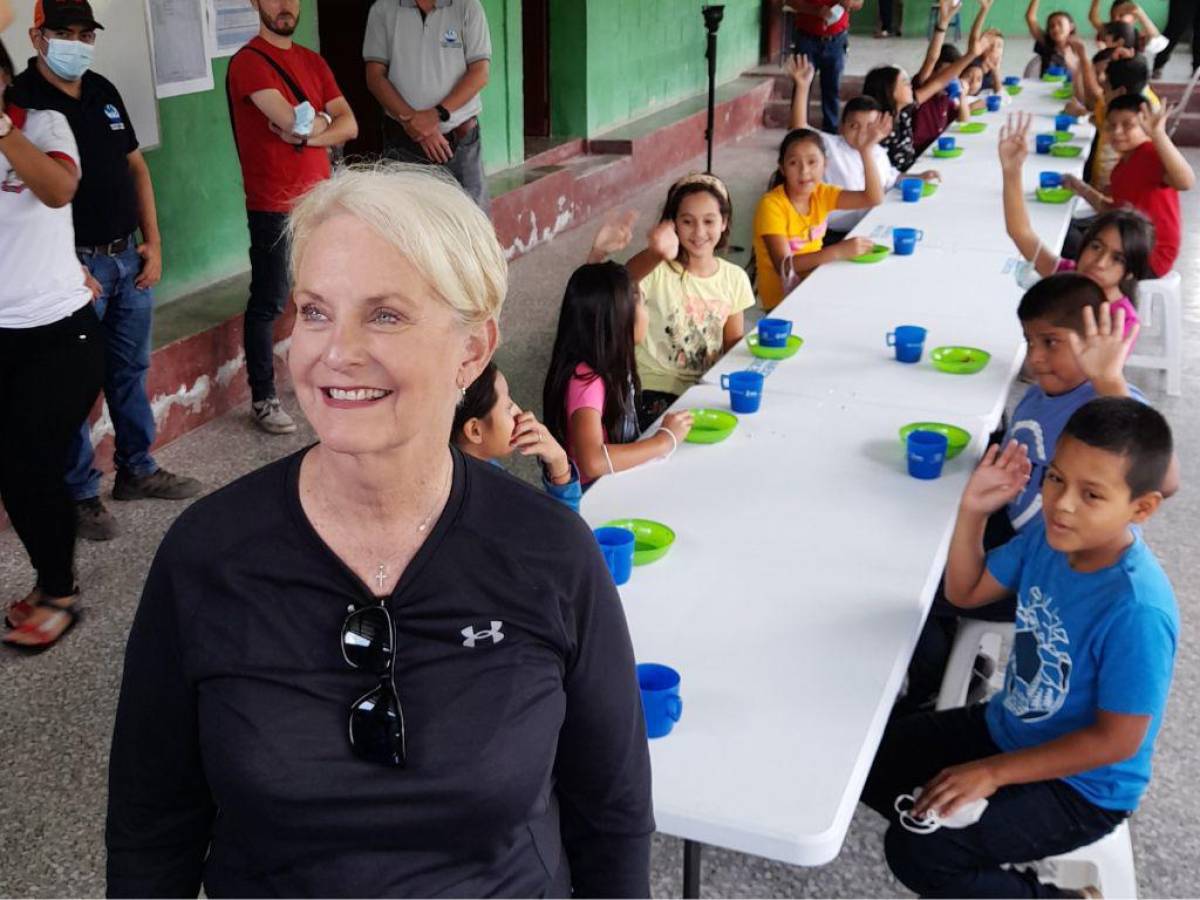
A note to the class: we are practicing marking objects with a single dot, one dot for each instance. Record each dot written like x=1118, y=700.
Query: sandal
x=19, y=611
x=46, y=632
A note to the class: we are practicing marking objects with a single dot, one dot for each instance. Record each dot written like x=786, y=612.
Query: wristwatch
x=6, y=126
x=443, y=113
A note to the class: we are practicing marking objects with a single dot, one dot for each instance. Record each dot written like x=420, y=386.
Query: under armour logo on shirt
x=470, y=635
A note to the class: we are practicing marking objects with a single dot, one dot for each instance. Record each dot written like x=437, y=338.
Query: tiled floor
x=56, y=710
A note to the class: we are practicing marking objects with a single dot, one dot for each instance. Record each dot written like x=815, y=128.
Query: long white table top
x=806, y=557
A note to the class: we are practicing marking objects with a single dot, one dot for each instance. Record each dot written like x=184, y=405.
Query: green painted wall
x=1007, y=15
x=503, y=119
x=612, y=60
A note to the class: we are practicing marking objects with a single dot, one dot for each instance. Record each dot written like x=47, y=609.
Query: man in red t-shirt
x=287, y=111
x=1149, y=176
x=822, y=30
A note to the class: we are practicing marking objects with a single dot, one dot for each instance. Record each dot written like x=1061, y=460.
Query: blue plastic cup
x=745, y=390
x=1063, y=122
x=954, y=89
x=774, y=332
x=1044, y=142
x=661, y=704
x=909, y=341
x=926, y=454
x=1050, y=179
x=904, y=240
x=1056, y=70
x=993, y=102
x=617, y=545
x=945, y=143
x=1012, y=80
x=911, y=188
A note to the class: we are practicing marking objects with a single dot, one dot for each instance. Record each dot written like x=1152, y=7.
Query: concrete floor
x=56, y=710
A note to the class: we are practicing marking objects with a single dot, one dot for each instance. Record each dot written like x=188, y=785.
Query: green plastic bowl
x=874, y=255
x=1061, y=137
x=929, y=188
x=1054, y=195
x=711, y=426
x=959, y=360
x=949, y=154
x=1054, y=78
x=652, y=540
x=1066, y=150
x=1063, y=93
x=978, y=112
x=972, y=127
x=794, y=344
x=1013, y=89
x=957, y=437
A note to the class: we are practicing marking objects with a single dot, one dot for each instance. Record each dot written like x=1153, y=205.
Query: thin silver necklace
x=381, y=572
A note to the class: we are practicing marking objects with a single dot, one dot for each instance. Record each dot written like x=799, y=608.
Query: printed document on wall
x=233, y=24
x=180, y=42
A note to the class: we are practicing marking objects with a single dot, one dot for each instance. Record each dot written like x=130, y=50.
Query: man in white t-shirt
x=843, y=164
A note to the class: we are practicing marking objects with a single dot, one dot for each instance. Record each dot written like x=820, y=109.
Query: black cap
x=63, y=14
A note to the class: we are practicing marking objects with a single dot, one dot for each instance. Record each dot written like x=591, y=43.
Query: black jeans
x=269, y=286
x=1022, y=823
x=1181, y=18
x=49, y=378
x=887, y=15
x=828, y=55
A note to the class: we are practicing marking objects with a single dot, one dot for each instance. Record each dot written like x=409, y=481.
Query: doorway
x=535, y=35
x=341, y=25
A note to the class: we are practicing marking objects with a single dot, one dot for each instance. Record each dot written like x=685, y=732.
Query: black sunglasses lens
x=367, y=640
x=377, y=728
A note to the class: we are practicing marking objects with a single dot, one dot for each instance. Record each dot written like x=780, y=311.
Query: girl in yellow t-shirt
x=695, y=299
x=790, y=225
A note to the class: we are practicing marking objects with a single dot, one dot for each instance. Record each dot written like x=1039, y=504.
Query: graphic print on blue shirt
x=1085, y=642
x=1039, y=674
x=1038, y=422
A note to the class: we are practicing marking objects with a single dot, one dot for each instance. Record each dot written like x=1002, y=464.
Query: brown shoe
x=93, y=521
x=158, y=485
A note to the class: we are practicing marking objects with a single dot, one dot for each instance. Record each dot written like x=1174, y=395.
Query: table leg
x=691, y=869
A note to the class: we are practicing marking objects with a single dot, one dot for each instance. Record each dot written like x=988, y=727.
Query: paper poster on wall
x=233, y=23
x=179, y=46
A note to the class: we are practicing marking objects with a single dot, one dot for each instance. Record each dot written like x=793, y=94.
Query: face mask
x=1027, y=276
x=69, y=59
x=931, y=821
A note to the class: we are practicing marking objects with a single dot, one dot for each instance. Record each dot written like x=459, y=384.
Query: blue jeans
x=829, y=58
x=126, y=313
x=270, y=283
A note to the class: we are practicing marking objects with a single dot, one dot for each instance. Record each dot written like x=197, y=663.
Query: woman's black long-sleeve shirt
x=528, y=771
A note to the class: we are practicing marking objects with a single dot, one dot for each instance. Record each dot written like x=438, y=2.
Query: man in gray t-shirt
x=427, y=61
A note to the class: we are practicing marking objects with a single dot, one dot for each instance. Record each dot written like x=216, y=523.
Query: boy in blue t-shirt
x=1076, y=353
x=1062, y=753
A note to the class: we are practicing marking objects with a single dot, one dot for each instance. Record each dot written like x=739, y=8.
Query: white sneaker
x=271, y=417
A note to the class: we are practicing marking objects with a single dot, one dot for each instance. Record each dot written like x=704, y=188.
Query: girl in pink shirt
x=590, y=397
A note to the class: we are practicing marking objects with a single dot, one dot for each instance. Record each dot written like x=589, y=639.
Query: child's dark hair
x=6, y=63
x=1130, y=429
x=699, y=184
x=949, y=54
x=1126, y=102
x=595, y=328
x=1121, y=33
x=478, y=401
x=1103, y=55
x=795, y=136
x=1137, y=244
x=880, y=84
x=1131, y=74
x=860, y=104
x=1060, y=299
x=1063, y=14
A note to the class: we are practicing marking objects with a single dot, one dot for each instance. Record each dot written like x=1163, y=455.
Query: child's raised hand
x=531, y=438
x=614, y=235
x=663, y=240
x=1014, y=141
x=678, y=423
x=998, y=480
x=1124, y=9
x=801, y=69
x=1156, y=120
x=1102, y=350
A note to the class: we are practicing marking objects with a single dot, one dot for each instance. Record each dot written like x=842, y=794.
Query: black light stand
x=712, y=21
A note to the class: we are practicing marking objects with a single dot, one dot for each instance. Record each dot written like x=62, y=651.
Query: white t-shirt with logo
x=41, y=280
x=844, y=167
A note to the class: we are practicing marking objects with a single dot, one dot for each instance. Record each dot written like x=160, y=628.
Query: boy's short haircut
x=1103, y=55
x=974, y=64
x=1131, y=74
x=1131, y=429
x=861, y=104
x=1127, y=102
x=1119, y=31
x=949, y=54
x=1060, y=300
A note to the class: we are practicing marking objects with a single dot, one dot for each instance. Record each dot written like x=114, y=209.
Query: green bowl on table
x=959, y=360
x=1013, y=89
x=1054, y=78
x=711, y=426
x=972, y=127
x=929, y=188
x=1069, y=151
x=792, y=347
x=651, y=540
x=878, y=253
x=978, y=112
x=1054, y=195
x=957, y=438
x=954, y=153
x=1063, y=93
x=1061, y=137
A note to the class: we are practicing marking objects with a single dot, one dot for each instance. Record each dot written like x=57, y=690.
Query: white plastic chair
x=1166, y=292
x=974, y=636
x=1033, y=68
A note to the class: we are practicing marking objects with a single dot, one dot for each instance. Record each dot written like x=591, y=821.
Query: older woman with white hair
x=379, y=667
